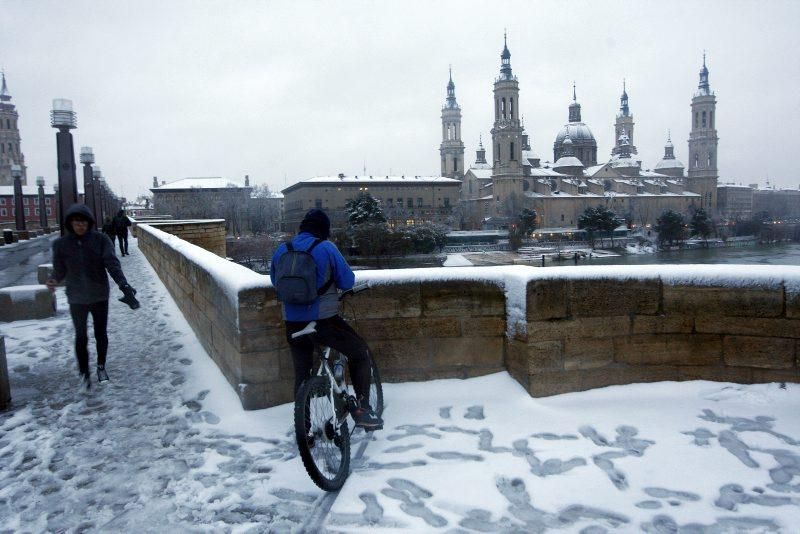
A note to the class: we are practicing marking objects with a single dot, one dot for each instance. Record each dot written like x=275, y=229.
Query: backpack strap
x=289, y=246
x=327, y=285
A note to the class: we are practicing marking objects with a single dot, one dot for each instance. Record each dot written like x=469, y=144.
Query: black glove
x=129, y=298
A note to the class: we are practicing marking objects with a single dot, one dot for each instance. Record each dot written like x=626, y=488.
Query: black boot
x=365, y=417
x=102, y=376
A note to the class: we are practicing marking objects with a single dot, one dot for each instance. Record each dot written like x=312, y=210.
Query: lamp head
x=40, y=181
x=62, y=116
x=87, y=156
x=16, y=171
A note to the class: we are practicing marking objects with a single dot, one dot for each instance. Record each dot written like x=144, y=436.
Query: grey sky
x=287, y=90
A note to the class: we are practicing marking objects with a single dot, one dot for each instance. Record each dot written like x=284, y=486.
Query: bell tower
x=10, y=152
x=452, y=147
x=624, y=123
x=703, y=175
x=507, y=129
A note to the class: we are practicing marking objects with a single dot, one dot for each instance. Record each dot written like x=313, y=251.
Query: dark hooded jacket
x=121, y=224
x=82, y=261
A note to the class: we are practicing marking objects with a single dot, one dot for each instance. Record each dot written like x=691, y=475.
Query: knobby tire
x=327, y=462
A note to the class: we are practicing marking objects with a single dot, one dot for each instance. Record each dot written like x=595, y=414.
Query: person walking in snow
x=108, y=229
x=80, y=259
x=333, y=273
x=121, y=224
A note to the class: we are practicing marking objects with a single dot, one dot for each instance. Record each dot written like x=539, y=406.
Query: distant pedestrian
x=81, y=258
x=121, y=224
x=108, y=229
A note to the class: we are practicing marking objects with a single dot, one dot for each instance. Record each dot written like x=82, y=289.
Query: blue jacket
x=329, y=260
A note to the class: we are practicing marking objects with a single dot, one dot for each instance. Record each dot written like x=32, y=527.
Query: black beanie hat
x=316, y=223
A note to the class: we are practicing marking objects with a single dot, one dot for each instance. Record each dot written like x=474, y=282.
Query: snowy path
x=166, y=447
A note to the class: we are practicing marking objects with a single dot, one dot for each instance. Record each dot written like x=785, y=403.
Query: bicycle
x=321, y=409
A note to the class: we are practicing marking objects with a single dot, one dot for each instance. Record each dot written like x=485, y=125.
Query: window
x=36, y=211
x=318, y=203
x=2, y=201
x=446, y=202
x=8, y=124
x=511, y=111
x=2, y=148
x=27, y=212
x=696, y=119
x=399, y=202
x=49, y=211
x=503, y=107
x=36, y=201
x=3, y=212
x=25, y=200
x=419, y=202
x=704, y=119
x=562, y=217
x=455, y=164
x=410, y=202
x=511, y=152
x=696, y=160
x=711, y=119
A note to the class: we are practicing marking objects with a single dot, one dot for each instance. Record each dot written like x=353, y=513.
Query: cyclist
x=333, y=273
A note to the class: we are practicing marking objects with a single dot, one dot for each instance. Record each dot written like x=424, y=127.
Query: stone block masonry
x=570, y=329
x=18, y=303
x=205, y=233
x=5, y=388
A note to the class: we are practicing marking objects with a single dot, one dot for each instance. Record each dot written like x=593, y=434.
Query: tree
x=701, y=225
x=527, y=221
x=598, y=219
x=669, y=227
x=364, y=209
x=426, y=238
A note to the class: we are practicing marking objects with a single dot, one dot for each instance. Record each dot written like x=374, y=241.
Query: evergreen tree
x=527, y=221
x=598, y=219
x=669, y=227
x=701, y=225
x=364, y=209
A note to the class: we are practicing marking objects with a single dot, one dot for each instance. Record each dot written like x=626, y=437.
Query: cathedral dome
x=579, y=133
x=669, y=164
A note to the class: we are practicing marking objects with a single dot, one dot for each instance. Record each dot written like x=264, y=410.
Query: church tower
x=10, y=152
x=624, y=123
x=452, y=148
x=703, y=175
x=506, y=136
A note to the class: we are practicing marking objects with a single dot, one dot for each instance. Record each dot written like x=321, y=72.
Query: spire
x=451, y=92
x=574, y=108
x=624, y=110
x=669, y=149
x=4, y=96
x=703, y=86
x=505, y=60
x=480, y=154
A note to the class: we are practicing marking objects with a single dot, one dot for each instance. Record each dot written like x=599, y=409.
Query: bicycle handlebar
x=358, y=288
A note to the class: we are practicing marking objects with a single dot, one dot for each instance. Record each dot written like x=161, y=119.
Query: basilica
x=493, y=194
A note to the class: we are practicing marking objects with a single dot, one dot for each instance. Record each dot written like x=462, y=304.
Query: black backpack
x=296, y=276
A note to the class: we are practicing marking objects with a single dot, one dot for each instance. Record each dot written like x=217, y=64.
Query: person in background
x=80, y=259
x=108, y=229
x=121, y=224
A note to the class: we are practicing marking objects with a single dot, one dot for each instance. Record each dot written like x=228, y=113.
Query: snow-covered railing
x=555, y=330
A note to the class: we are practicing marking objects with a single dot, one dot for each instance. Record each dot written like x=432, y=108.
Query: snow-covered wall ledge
x=555, y=329
x=205, y=233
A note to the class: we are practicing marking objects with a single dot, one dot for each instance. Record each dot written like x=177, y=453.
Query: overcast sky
x=284, y=91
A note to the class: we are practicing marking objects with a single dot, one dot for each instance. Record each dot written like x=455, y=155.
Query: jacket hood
x=78, y=209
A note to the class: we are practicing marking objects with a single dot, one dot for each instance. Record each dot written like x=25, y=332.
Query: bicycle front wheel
x=375, y=388
x=324, y=448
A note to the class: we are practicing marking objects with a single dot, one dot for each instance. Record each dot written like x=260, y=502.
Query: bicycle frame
x=336, y=391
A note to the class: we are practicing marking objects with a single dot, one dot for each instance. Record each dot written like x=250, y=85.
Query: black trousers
x=80, y=315
x=333, y=332
x=123, y=240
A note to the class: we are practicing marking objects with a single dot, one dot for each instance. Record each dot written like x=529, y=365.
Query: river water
x=776, y=254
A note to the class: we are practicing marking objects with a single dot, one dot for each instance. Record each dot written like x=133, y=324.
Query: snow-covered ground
x=166, y=447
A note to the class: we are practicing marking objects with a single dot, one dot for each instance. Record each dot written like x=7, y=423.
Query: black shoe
x=365, y=417
x=102, y=376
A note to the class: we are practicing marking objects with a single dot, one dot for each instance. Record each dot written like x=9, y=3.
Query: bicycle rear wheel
x=324, y=449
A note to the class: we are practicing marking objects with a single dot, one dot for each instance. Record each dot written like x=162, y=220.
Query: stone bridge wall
x=205, y=233
x=569, y=329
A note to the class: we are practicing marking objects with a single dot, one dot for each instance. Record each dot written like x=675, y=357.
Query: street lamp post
x=100, y=194
x=87, y=158
x=42, y=206
x=19, y=210
x=63, y=118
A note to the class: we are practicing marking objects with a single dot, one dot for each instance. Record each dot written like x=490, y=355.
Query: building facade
x=777, y=204
x=10, y=141
x=405, y=200
x=203, y=198
x=30, y=203
x=735, y=202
